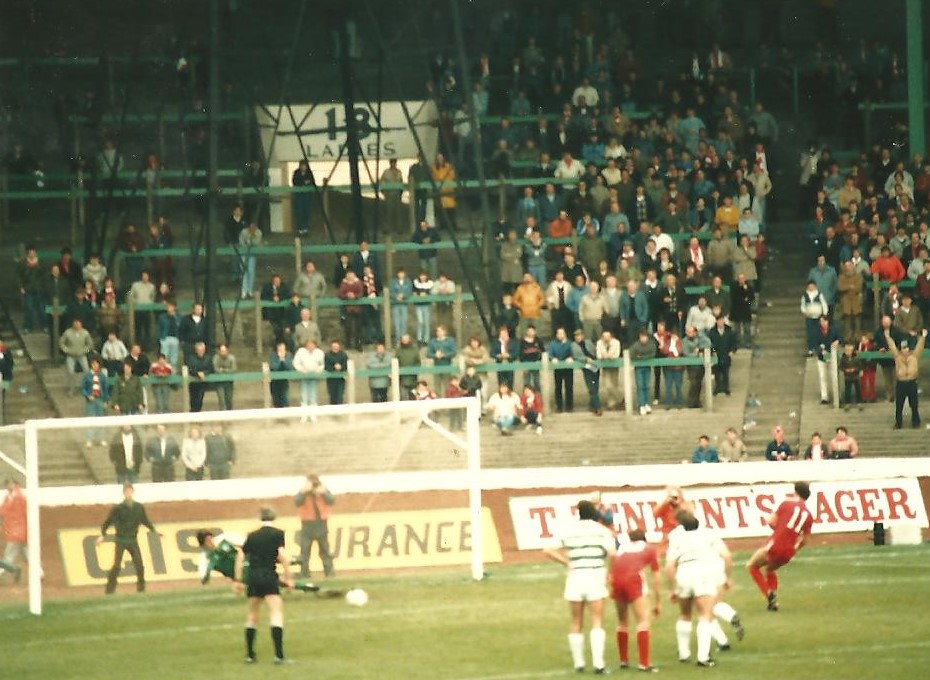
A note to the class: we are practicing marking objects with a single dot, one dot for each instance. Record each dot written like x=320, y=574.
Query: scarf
x=697, y=257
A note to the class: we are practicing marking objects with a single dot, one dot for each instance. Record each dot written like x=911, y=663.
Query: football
x=357, y=597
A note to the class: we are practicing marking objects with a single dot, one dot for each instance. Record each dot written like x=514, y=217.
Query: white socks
x=598, y=639
x=716, y=632
x=576, y=646
x=683, y=635
x=724, y=611
x=704, y=629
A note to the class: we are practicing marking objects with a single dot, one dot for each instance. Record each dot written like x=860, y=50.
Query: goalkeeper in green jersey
x=218, y=553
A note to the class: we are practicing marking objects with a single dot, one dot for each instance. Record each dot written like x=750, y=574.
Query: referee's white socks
x=598, y=641
x=576, y=647
x=683, y=636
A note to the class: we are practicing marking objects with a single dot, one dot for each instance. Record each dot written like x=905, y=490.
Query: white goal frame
x=471, y=443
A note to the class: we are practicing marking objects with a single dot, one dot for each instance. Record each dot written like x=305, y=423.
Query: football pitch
x=846, y=612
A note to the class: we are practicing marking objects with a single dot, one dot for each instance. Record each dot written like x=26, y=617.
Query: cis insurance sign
x=735, y=511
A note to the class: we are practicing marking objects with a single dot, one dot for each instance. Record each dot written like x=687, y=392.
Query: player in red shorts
x=629, y=591
x=791, y=525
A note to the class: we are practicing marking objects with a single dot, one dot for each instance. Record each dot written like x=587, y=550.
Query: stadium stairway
x=30, y=398
x=777, y=370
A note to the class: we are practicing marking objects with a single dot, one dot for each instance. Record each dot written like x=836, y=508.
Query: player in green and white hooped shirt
x=219, y=554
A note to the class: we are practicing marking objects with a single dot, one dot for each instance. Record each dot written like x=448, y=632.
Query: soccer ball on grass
x=357, y=597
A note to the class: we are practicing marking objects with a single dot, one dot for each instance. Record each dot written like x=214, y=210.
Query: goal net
x=405, y=477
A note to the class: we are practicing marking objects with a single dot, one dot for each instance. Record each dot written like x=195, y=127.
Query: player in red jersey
x=791, y=525
x=629, y=591
x=665, y=512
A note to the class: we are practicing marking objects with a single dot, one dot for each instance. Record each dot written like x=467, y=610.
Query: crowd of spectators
x=869, y=237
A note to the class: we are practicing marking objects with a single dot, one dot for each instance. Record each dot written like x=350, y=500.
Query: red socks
x=642, y=645
x=760, y=580
x=773, y=582
x=623, y=645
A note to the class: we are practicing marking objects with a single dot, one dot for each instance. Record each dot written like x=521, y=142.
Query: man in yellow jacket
x=907, y=370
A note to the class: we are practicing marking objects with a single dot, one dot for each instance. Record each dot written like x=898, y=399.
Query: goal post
x=341, y=441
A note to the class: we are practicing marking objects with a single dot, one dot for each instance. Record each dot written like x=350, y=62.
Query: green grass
x=850, y=612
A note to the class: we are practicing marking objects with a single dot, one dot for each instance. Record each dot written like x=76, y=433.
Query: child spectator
x=851, y=368
x=531, y=409
x=423, y=392
x=815, y=450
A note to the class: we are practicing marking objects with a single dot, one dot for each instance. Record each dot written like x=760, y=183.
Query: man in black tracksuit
x=126, y=519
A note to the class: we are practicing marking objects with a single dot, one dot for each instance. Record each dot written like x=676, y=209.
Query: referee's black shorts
x=262, y=582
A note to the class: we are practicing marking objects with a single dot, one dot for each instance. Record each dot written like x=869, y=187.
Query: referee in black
x=126, y=519
x=264, y=549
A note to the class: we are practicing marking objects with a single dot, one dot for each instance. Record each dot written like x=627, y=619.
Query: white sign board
x=319, y=131
x=734, y=511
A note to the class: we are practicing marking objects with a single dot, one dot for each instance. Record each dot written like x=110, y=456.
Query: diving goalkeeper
x=218, y=553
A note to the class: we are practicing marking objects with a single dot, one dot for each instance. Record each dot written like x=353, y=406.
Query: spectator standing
x=310, y=283
x=505, y=349
x=126, y=397
x=446, y=287
x=194, y=454
x=644, y=349
x=849, y=286
x=828, y=338
x=850, y=367
x=401, y=290
x=584, y=353
x=302, y=179
x=224, y=362
x=694, y=344
x=274, y=292
x=813, y=307
x=907, y=371
x=126, y=519
x=159, y=373
x=113, y=353
x=306, y=329
x=76, y=344
x=96, y=392
x=335, y=361
x=562, y=360
x=608, y=349
x=742, y=300
x=310, y=360
x=408, y=357
x=705, y=453
x=199, y=366
x=425, y=236
x=161, y=451
x=280, y=361
x=351, y=290
x=394, y=213
x=824, y=277
x=378, y=362
x=126, y=455
x=142, y=292
x=221, y=452
x=168, y=328
x=250, y=238
x=531, y=351
x=725, y=344
x=31, y=286
x=511, y=262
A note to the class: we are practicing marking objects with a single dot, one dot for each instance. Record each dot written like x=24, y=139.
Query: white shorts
x=696, y=581
x=586, y=585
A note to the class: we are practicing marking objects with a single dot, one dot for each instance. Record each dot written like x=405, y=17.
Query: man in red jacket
x=13, y=513
x=888, y=266
x=314, y=505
